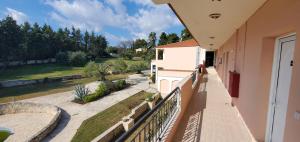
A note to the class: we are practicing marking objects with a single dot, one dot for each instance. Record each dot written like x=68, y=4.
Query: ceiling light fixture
x=215, y=15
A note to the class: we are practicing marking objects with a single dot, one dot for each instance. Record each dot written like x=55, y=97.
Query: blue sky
x=118, y=20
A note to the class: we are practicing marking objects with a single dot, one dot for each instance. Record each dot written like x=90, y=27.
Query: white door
x=282, y=89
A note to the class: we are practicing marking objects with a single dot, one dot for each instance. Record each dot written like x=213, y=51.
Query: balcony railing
x=152, y=126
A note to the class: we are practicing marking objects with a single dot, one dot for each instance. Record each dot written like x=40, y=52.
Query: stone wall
x=13, y=83
x=29, y=62
x=111, y=134
x=118, y=129
x=25, y=107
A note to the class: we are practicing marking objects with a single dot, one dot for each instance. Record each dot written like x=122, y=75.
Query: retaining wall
x=13, y=83
x=25, y=107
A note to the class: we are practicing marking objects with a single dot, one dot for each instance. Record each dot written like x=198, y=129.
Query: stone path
x=74, y=114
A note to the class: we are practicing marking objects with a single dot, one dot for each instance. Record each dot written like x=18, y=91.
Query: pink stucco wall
x=250, y=52
x=181, y=58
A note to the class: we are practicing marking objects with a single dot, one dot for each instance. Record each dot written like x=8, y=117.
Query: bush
x=90, y=69
x=120, y=84
x=153, y=78
x=137, y=67
x=128, y=55
x=149, y=98
x=100, y=92
x=77, y=58
x=80, y=92
x=119, y=66
x=62, y=58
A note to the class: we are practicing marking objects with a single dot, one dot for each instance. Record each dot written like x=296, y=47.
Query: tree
x=152, y=40
x=163, y=39
x=86, y=40
x=26, y=33
x=10, y=40
x=172, y=38
x=128, y=44
x=97, y=70
x=185, y=35
x=139, y=43
x=48, y=41
x=99, y=46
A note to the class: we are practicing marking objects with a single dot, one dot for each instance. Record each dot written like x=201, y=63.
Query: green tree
x=97, y=70
x=86, y=39
x=185, y=35
x=10, y=40
x=151, y=40
x=172, y=38
x=163, y=39
x=139, y=43
x=26, y=33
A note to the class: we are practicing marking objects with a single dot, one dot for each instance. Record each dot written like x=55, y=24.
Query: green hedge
x=104, y=89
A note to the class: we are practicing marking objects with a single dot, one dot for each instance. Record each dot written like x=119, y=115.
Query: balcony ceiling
x=195, y=15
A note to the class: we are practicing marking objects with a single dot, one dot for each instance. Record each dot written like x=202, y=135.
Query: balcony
x=197, y=110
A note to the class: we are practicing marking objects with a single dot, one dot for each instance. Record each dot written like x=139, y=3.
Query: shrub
x=81, y=91
x=101, y=90
x=137, y=67
x=77, y=58
x=120, y=84
x=62, y=58
x=128, y=55
x=149, y=98
x=90, y=98
x=119, y=66
x=153, y=78
x=90, y=69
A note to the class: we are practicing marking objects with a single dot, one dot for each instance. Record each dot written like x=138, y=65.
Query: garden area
x=100, y=122
x=115, y=69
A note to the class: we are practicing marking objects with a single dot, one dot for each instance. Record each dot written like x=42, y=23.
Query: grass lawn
x=100, y=122
x=31, y=91
x=48, y=70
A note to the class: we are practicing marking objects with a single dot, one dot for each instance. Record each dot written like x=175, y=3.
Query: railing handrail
x=127, y=134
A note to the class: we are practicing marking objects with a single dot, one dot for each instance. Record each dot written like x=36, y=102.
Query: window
x=160, y=55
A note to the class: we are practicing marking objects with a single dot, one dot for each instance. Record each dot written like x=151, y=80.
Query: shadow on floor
x=64, y=120
x=190, y=128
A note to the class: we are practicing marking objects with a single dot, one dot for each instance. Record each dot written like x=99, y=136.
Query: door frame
x=273, y=86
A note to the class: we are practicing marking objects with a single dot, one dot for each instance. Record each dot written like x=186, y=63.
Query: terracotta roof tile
x=186, y=43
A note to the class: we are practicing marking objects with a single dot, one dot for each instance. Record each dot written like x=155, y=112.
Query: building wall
x=181, y=58
x=177, y=63
x=250, y=52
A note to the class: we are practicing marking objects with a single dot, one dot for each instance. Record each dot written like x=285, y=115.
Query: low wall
x=111, y=134
x=187, y=89
x=13, y=83
x=29, y=62
x=24, y=107
x=118, y=129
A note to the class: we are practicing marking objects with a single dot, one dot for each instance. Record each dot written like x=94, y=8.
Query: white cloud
x=19, y=16
x=113, y=38
x=96, y=15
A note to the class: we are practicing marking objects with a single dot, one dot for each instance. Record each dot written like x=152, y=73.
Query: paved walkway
x=210, y=116
x=74, y=114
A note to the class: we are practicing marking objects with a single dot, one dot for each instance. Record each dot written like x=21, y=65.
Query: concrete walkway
x=210, y=116
x=74, y=114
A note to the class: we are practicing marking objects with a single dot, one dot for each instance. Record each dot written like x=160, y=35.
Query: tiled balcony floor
x=210, y=116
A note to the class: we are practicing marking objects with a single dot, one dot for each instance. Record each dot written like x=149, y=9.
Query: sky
x=117, y=20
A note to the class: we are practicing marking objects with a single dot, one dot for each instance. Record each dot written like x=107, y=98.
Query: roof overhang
x=212, y=33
